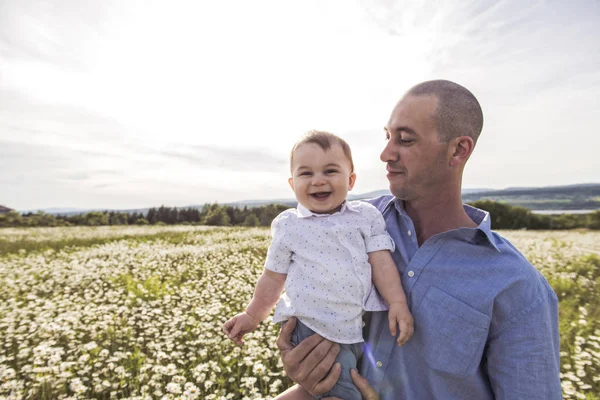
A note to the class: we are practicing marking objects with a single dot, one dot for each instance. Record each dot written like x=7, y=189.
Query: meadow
x=136, y=312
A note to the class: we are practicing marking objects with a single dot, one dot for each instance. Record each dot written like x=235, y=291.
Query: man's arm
x=523, y=360
x=366, y=390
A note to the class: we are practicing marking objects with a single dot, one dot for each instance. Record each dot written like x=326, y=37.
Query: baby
x=327, y=253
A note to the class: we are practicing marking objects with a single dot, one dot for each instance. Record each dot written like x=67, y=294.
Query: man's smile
x=394, y=173
x=394, y=170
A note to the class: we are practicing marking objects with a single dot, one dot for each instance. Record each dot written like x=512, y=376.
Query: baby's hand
x=399, y=314
x=238, y=326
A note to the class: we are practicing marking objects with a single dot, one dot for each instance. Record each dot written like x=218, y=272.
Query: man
x=486, y=321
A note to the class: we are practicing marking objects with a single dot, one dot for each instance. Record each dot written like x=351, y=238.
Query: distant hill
x=570, y=197
x=59, y=210
x=76, y=211
x=292, y=202
x=469, y=191
x=4, y=209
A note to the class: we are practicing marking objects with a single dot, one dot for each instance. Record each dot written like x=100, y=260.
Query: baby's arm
x=267, y=292
x=387, y=281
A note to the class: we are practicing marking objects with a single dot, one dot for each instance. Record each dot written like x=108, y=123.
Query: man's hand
x=238, y=326
x=367, y=391
x=310, y=363
x=399, y=315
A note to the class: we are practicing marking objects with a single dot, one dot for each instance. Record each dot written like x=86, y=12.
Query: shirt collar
x=304, y=212
x=483, y=220
x=480, y=217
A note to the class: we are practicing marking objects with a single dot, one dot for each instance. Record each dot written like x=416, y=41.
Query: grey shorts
x=348, y=357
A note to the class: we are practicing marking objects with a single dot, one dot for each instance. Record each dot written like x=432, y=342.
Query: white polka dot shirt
x=325, y=256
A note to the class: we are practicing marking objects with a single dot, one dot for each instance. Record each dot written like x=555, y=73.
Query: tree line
x=503, y=216
x=210, y=214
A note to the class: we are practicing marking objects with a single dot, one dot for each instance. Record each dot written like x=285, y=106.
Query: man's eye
x=405, y=141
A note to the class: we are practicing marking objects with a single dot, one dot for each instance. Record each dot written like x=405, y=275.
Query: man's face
x=321, y=178
x=416, y=160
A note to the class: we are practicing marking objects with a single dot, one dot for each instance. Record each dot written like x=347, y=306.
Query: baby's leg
x=295, y=393
x=348, y=358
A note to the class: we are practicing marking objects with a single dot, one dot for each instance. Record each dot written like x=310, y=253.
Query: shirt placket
x=418, y=263
x=415, y=260
x=385, y=342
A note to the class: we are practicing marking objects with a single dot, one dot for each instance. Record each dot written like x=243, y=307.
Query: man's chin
x=399, y=192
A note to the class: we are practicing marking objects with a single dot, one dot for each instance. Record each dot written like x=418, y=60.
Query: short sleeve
x=279, y=255
x=378, y=239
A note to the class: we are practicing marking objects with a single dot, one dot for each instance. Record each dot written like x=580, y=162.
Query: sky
x=126, y=104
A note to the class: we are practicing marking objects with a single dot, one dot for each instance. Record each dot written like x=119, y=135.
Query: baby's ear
x=291, y=182
x=351, y=181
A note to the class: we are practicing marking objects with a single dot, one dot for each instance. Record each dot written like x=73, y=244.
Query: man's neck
x=436, y=214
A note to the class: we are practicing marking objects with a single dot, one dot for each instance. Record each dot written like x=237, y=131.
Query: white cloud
x=162, y=92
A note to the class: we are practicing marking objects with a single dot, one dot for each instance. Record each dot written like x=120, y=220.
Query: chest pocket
x=449, y=334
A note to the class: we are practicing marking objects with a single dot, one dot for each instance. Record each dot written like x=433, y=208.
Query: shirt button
x=409, y=232
x=379, y=364
x=411, y=273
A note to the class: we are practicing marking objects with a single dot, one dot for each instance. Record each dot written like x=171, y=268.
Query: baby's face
x=321, y=179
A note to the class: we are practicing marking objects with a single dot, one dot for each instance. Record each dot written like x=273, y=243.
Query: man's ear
x=461, y=150
x=351, y=181
x=291, y=182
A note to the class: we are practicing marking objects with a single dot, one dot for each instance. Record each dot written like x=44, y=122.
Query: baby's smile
x=320, y=195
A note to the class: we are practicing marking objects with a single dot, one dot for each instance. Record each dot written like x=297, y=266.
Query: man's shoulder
x=511, y=259
x=380, y=202
x=362, y=206
x=521, y=284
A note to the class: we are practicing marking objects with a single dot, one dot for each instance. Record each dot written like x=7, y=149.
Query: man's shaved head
x=458, y=112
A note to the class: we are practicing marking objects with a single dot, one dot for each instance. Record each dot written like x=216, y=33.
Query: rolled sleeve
x=523, y=359
x=279, y=255
x=378, y=239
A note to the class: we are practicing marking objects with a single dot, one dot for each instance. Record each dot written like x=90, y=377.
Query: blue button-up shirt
x=486, y=321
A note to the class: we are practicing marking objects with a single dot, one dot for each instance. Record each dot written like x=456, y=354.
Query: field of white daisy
x=136, y=312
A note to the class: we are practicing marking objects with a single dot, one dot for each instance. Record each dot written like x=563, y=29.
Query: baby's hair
x=324, y=140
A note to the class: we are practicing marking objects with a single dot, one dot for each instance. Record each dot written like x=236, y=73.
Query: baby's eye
x=331, y=171
x=305, y=173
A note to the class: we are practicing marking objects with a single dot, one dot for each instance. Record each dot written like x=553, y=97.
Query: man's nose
x=388, y=154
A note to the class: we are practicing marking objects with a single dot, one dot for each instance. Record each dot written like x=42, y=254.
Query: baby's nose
x=318, y=180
